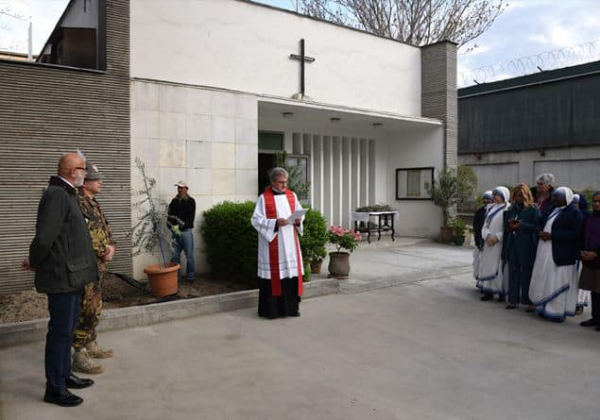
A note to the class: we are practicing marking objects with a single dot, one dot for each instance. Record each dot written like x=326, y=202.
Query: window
x=270, y=141
x=79, y=38
x=76, y=38
x=412, y=183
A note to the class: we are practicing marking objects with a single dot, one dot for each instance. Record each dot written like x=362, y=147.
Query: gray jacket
x=61, y=251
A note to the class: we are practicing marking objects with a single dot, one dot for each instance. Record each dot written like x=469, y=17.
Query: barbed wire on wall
x=11, y=48
x=549, y=60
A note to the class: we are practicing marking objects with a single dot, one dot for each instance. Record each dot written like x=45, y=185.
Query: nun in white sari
x=554, y=281
x=490, y=277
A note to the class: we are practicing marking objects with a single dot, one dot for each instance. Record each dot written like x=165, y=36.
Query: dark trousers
x=595, y=306
x=519, y=278
x=64, y=311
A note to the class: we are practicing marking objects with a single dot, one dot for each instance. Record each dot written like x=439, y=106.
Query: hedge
x=231, y=243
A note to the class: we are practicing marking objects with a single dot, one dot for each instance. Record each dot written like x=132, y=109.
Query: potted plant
x=339, y=262
x=458, y=226
x=313, y=240
x=453, y=186
x=151, y=235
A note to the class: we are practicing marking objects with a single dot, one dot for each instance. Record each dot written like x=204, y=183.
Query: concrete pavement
x=424, y=349
x=375, y=265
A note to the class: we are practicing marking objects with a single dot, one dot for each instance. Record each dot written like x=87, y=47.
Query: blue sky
x=527, y=28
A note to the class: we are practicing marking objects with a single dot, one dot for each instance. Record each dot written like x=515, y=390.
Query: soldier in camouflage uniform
x=84, y=336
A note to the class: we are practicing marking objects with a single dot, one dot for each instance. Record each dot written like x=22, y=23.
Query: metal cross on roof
x=303, y=59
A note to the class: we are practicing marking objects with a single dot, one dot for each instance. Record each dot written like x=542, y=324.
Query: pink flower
x=344, y=238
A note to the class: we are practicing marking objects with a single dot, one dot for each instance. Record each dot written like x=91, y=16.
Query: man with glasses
x=63, y=259
x=277, y=219
x=182, y=211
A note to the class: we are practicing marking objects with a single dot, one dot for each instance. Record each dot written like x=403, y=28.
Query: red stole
x=271, y=211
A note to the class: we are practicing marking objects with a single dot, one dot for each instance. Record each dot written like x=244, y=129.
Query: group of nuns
x=539, y=252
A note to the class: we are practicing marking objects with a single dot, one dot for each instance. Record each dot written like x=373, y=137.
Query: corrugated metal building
x=50, y=108
x=510, y=131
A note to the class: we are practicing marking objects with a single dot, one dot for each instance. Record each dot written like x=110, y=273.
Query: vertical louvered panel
x=45, y=111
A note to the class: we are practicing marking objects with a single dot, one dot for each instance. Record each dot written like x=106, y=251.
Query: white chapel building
x=217, y=87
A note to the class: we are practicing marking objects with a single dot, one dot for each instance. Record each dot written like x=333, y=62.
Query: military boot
x=97, y=352
x=82, y=362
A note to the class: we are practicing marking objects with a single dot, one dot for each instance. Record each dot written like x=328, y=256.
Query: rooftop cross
x=303, y=59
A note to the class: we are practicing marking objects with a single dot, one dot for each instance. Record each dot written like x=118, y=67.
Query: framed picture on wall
x=412, y=183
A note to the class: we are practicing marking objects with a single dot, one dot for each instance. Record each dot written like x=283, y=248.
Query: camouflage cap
x=93, y=174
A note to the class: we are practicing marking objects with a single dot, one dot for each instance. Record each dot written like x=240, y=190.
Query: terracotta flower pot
x=315, y=266
x=446, y=234
x=163, y=280
x=339, y=265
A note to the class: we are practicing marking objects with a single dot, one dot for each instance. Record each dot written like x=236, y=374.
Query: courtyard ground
x=395, y=345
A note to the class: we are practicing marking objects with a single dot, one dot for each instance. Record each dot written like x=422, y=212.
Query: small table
x=385, y=221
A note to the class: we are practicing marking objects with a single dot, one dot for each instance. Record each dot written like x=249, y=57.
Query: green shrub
x=231, y=241
x=314, y=237
x=307, y=272
x=459, y=226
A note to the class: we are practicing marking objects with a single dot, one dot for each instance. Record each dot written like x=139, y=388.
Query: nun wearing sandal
x=554, y=281
x=490, y=278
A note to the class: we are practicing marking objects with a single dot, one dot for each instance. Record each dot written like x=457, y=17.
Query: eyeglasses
x=79, y=167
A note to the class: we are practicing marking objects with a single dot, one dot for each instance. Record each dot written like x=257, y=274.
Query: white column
x=346, y=181
x=364, y=172
x=297, y=144
x=355, y=173
x=327, y=179
x=336, y=196
x=308, y=150
x=288, y=141
x=372, y=178
x=318, y=172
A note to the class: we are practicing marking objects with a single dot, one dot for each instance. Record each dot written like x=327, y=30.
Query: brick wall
x=439, y=92
x=48, y=110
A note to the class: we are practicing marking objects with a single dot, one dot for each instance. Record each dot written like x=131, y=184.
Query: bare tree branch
x=417, y=22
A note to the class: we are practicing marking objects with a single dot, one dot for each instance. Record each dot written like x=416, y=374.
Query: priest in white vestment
x=554, y=281
x=280, y=267
x=490, y=275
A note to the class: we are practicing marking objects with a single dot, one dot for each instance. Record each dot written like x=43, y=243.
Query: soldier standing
x=84, y=336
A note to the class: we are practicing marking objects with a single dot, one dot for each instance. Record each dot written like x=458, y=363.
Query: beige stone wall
x=207, y=137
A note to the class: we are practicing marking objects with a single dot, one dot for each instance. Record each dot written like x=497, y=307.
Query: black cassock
x=287, y=304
